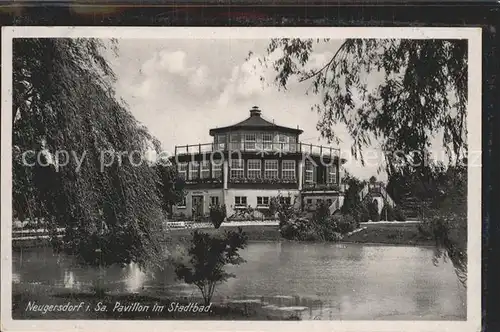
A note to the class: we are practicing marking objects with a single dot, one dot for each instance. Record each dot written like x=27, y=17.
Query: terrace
x=262, y=149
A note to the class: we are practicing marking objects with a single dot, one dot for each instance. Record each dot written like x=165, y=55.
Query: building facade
x=249, y=163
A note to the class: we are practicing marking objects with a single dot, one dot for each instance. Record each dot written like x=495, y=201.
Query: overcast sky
x=180, y=89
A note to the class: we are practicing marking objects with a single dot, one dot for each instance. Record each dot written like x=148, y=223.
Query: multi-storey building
x=249, y=163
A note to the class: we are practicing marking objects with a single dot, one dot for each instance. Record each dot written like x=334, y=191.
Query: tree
x=421, y=92
x=208, y=257
x=64, y=108
x=217, y=214
x=373, y=211
x=283, y=207
x=352, y=203
x=170, y=185
x=422, y=83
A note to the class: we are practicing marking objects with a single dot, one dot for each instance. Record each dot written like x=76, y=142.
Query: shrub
x=344, y=224
x=295, y=229
x=217, y=214
x=387, y=213
x=399, y=214
x=373, y=211
x=283, y=208
x=209, y=255
x=363, y=214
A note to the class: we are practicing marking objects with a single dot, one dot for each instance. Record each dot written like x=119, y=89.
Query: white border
x=473, y=35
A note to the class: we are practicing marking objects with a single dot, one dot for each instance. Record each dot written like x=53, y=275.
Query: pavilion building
x=250, y=162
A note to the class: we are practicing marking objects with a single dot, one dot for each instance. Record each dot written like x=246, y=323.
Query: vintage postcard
x=201, y=178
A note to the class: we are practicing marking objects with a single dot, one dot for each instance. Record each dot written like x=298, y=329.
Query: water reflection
x=331, y=281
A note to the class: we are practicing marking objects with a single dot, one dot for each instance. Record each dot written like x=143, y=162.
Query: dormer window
x=194, y=167
x=220, y=142
x=283, y=140
x=235, y=141
x=250, y=140
x=182, y=170
x=267, y=141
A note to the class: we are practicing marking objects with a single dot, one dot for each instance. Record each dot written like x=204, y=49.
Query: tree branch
x=325, y=66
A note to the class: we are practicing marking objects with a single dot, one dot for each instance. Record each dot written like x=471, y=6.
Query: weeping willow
x=398, y=93
x=63, y=100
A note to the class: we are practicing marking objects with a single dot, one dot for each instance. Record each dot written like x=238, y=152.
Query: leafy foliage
x=387, y=213
x=217, y=214
x=422, y=91
x=170, y=185
x=447, y=220
x=63, y=101
x=401, y=93
x=285, y=209
x=373, y=211
x=208, y=257
x=344, y=224
x=352, y=204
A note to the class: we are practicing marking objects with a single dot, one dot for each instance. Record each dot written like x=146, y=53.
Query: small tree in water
x=208, y=257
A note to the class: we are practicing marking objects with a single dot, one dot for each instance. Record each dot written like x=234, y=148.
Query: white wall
x=252, y=194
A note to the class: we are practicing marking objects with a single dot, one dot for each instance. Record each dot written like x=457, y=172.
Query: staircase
x=334, y=206
x=377, y=189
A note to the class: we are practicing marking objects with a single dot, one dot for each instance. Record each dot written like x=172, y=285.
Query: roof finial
x=255, y=111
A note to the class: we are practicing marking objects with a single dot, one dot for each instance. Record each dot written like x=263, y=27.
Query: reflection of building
x=252, y=161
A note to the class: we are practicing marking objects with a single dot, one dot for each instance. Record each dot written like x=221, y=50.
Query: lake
x=335, y=281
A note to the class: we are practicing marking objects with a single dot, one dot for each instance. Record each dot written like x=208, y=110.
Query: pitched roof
x=255, y=122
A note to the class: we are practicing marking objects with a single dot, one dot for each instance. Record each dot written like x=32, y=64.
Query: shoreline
x=383, y=234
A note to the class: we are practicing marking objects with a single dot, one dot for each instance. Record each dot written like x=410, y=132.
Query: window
x=254, y=168
x=220, y=142
x=237, y=170
x=214, y=200
x=262, y=200
x=271, y=169
x=217, y=169
x=182, y=204
x=309, y=171
x=331, y=174
x=286, y=200
x=205, y=169
x=293, y=143
x=182, y=169
x=309, y=201
x=288, y=169
x=240, y=201
x=329, y=202
x=283, y=140
x=250, y=140
x=267, y=141
x=235, y=141
x=194, y=166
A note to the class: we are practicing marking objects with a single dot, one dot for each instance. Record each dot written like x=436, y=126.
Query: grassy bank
x=112, y=306
x=380, y=234
x=254, y=233
x=402, y=235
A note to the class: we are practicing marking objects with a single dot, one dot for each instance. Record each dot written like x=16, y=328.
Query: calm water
x=333, y=281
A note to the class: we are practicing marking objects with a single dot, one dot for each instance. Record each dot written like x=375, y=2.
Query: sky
x=180, y=89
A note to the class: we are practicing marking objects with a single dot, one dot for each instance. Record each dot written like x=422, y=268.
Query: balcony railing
x=204, y=180
x=261, y=180
x=259, y=148
x=323, y=187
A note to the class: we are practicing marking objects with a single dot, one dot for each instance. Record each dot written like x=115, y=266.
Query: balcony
x=260, y=148
x=323, y=187
x=262, y=180
x=204, y=180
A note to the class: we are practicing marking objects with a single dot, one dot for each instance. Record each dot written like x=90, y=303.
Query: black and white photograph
x=214, y=176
